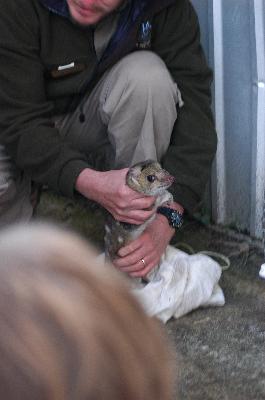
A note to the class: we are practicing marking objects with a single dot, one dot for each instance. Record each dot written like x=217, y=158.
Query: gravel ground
x=220, y=351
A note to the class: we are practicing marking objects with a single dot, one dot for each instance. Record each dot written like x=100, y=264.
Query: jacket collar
x=59, y=7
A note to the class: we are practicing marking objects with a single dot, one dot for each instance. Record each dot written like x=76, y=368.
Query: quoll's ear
x=134, y=180
x=133, y=172
x=132, y=176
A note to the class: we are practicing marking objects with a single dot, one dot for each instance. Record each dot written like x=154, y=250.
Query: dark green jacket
x=36, y=36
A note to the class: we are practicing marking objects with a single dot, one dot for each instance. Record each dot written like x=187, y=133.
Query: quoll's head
x=90, y=12
x=149, y=177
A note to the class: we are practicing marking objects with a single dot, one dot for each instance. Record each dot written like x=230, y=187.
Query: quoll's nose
x=169, y=179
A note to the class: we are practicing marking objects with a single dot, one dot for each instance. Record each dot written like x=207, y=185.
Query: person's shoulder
x=173, y=7
x=183, y=10
x=180, y=4
x=17, y=14
x=18, y=6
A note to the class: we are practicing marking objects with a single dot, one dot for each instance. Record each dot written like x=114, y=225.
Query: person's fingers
x=123, y=206
x=133, y=258
x=138, y=266
x=130, y=248
x=143, y=272
x=142, y=203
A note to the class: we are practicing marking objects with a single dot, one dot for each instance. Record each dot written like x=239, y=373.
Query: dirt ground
x=220, y=351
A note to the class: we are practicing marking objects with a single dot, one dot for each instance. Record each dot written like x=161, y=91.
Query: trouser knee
x=144, y=74
x=138, y=104
x=147, y=73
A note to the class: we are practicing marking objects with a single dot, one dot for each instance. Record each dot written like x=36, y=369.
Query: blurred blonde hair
x=69, y=328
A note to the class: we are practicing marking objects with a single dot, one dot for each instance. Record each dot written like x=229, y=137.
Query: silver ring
x=142, y=259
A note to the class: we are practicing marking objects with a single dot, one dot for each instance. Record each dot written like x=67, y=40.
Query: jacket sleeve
x=193, y=143
x=26, y=127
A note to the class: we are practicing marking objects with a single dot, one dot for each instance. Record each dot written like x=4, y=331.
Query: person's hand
x=149, y=246
x=109, y=189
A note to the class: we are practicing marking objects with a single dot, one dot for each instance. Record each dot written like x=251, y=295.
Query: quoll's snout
x=169, y=179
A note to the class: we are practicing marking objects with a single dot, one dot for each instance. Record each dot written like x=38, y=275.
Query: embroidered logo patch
x=144, y=35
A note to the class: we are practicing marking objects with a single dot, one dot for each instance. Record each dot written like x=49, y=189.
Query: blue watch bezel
x=174, y=217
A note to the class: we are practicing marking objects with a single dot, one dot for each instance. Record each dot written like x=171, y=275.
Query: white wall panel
x=233, y=35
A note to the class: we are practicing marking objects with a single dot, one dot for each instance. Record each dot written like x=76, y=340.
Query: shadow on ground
x=220, y=351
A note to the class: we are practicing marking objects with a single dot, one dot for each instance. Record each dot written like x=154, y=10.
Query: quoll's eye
x=151, y=178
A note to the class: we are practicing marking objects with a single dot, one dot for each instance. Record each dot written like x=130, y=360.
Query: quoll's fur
x=146, y=177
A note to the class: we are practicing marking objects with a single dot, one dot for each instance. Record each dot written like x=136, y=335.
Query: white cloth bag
x=180, y=284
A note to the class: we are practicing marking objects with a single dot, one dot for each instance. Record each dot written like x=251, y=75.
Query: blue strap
x=59, y=7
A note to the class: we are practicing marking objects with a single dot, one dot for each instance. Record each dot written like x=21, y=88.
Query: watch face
x=176, y=219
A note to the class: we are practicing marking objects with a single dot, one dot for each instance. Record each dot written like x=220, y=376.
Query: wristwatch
x=174, y=217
